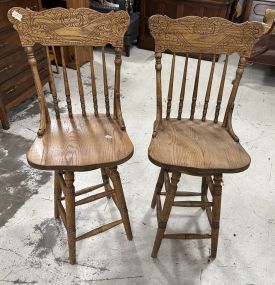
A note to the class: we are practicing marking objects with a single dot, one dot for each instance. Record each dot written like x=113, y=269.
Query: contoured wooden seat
x=196, y=146
x=197, y=143
x=82, y=141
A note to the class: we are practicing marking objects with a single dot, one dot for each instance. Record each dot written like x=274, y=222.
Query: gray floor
x=33, y=246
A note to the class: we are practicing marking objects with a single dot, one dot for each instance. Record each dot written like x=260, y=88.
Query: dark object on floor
x=201, y=146
x=78, y=142
x=104, y=8
x=132, y=32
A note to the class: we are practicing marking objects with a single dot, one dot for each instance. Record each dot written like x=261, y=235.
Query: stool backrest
x=72, y=28
x=198, y=36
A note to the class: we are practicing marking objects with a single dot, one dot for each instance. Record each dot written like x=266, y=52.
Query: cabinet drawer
x=17, y=62
x=9, y=42
x=12, y=88
x=7, y=4
x=258, y=9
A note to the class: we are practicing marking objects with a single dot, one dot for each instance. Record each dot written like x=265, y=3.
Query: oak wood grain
x=197, y=146
x=201, y=147
x=205, y=35
x=80, y=143
x=70, y=27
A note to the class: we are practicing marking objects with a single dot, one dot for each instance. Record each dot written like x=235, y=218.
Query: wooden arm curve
x=117, y=104
x=44, y=115
x=158, y=67
x=227, y=121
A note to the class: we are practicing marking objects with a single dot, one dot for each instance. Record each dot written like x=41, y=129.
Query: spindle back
x=72, y=28
x=200, y=36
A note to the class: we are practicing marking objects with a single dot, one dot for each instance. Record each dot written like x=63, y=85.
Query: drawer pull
x=3, y=44
x=11, y=90
x=5, y=68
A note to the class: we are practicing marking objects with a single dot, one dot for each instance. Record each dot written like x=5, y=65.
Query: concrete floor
x=33, y=248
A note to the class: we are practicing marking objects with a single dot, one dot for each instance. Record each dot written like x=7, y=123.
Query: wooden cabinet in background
x=180, y=8
x=16, y=81
x=64, y=3
x=69, y=51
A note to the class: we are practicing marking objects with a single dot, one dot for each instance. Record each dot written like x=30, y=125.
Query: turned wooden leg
x=57, y=194
x=70, y=214
x=217, y=193
x=4, y=116
x=120, y=201
x=158, y=188
x=164, y=216
x=204, y=188
x=105, y=179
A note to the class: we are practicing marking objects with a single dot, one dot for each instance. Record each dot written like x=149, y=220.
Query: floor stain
x=18, y=180
x=50, y=230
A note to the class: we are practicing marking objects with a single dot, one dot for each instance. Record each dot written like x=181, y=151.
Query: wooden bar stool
x=78, y=142
x=200, y=147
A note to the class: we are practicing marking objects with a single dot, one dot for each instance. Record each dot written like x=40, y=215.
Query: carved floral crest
x=59, y=26
x=205, y=35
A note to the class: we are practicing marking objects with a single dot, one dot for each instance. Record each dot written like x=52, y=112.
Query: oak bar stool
x=78, y=142
x=200, y=147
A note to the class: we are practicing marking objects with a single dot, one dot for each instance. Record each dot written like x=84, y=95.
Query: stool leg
x=158, y=188
x=57, y=194
x=114, y=174
x=164, y=216
x=217, y=193
x=105, y=179
x=70, y=214
x=204, y=188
